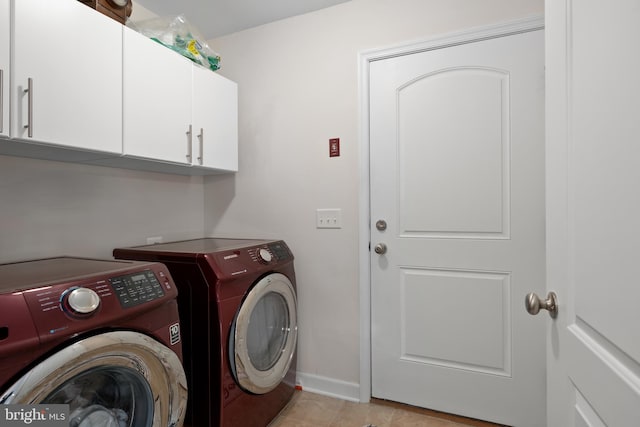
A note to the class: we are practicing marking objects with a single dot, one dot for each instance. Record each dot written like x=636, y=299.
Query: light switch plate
x=328, y=218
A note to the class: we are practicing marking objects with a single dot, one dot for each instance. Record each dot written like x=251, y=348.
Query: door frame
x=530, y=23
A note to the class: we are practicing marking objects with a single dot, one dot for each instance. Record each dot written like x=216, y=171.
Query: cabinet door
x=73, y=57
x=5, y=39
x=157, y=100
x=215, y=118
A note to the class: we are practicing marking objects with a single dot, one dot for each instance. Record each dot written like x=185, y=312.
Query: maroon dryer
x=101, y=336
x=237, y=302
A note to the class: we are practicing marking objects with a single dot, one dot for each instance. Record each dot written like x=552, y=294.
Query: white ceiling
x=214, y=18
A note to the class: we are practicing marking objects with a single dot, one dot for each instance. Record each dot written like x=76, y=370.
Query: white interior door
x=457, y=174
x=593, y=158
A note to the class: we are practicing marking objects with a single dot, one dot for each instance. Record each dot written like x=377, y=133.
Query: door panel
x=457, y=172
x=468, y=162
x=479, y=347
x=593, y=101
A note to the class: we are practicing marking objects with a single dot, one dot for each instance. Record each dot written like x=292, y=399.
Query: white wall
x=52, y=208
x=298, y=87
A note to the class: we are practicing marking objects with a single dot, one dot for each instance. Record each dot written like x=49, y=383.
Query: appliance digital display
x=136, y=288
x=279, y=251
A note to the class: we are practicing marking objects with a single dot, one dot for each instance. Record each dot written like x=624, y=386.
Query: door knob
x=533, y=303
x=381, y=225
x=380, y=248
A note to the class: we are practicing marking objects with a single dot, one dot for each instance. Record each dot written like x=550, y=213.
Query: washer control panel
x=236, y=262
x=264, y=256
x=79, y=302
x=270, y=252
x=136, y=288
x=280, y=251
x=75, y=295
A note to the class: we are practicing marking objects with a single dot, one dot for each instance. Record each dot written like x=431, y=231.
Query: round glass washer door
x=114, y=379
x=263, y=335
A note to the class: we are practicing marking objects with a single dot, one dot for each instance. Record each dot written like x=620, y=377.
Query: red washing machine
x=101, y=336
x=237, y=302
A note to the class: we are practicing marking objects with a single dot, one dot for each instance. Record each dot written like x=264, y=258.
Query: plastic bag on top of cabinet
x=177, y=34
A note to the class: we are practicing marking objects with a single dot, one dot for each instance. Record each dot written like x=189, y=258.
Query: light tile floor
x=313, y=410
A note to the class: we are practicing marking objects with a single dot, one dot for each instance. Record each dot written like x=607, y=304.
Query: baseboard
x=328, y=386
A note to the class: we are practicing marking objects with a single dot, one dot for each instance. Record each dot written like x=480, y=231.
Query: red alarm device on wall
x=115, y=9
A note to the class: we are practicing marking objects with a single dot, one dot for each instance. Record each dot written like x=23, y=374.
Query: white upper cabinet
x=215, y=120
x=84, y=88
x=157, y=101
x=5, y=43
x=67, y=75
x=177, y=111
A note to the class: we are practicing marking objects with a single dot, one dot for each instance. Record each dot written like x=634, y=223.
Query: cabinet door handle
x=1, y=100
x=201, y=140
x=29, y=92
x=189, y=142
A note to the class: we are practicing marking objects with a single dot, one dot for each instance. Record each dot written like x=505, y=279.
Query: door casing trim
x=530, y=23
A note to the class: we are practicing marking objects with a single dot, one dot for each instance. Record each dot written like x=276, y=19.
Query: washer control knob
x=83, y=300
x=264, y=255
